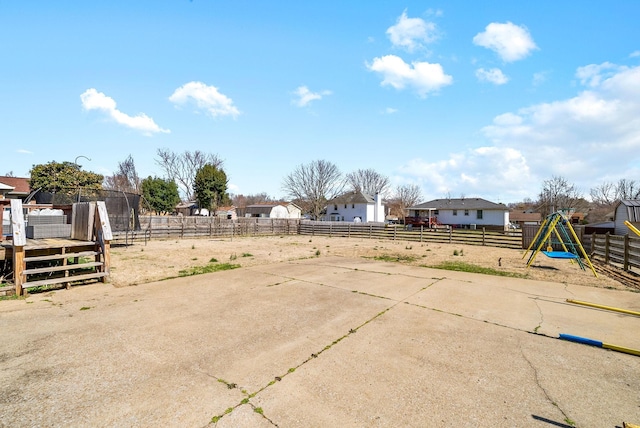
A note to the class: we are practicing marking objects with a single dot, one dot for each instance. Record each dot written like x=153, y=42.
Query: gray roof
x=352, y=198
x=631, y=202
x=460, y=204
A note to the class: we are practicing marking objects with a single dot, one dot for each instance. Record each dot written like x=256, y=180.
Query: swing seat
x=559, y=255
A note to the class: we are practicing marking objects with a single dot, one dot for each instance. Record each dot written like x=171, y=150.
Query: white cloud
x=485, y=171
x=411, y=33
x=634, y=54
x=24, y=152
x=94, y=100
x=539, y=78
x=589, y=138
x=493, y=75
x=206, y=98
x=593, y=74
x=305, y=96
x=390, y=110
x=511, y=42
x=424, y=77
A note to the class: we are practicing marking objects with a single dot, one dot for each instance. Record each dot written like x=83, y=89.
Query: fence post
x=421, y=229
x=606, y=247
x=370, y=228
x=330, y=229
x=626, y=252
x=394, y=233
x=483, y=230
x=593, y=242
x=450, y=233
x=349, y=231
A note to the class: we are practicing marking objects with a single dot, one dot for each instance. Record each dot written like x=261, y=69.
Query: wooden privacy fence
x=381, y=231
x=167, y=227
x=619, y=250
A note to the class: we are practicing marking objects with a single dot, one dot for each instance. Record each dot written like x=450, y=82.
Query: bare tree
x=313, y=184
x=604, y=194
x=404, y=197
x=609, y=193
x=125, y=178
x=627, y=189
x=367, y=181
x=182, y=167
x=557, y=193
x=242, y=201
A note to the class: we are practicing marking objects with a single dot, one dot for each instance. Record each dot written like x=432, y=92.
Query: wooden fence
x=623, y=251
x=442, y=235
x=177, y=227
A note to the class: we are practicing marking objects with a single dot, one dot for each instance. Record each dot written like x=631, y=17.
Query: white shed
x=626, y=210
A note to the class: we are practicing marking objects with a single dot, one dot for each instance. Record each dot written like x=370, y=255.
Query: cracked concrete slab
x=292, y=344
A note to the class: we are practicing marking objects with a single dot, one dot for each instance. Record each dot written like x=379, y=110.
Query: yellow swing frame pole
x=535, y=237
x=584, y=253
x=552, y=226
x=632, y=227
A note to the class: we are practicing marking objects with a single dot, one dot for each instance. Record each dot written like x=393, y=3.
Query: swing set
x=556, y=230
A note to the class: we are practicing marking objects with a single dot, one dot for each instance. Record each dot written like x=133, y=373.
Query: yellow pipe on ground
x=621, y=349
x=608, y=308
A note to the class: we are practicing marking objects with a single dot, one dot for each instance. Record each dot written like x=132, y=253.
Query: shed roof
x=633, y=209
x=460, y=204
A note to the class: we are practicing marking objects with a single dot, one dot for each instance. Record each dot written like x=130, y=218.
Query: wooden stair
x=33, y=275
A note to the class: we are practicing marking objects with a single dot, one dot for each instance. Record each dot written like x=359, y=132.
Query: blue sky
x=481, y=99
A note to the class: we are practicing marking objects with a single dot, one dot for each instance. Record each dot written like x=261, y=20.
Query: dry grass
x=161, y=259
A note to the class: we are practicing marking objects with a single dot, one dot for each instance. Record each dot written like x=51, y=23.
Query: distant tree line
x=199, y=177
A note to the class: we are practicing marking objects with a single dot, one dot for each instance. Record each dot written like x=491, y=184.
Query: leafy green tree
x=162, y=195
x=210, y=186
x=63, y=177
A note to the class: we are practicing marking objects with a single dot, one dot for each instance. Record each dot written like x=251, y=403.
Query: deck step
x=61, y=268
x=63, y=280
x=61, y=256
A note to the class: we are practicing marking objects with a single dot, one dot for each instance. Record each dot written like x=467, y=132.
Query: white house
x=355, y=207
x=626, y=210
x=279, y=210
x=467, y=213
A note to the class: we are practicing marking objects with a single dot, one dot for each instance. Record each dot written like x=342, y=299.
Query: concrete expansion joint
x=280, y=378
x=544, y=391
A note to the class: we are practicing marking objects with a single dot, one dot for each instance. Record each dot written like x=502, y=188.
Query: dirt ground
x=161, y=259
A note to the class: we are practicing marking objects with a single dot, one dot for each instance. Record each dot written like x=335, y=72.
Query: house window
x=335, y=207
x=436, y=212
x=466, y=212
x=455, y=212
x=479, y=212
x=345, y=206
x=353, y=205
